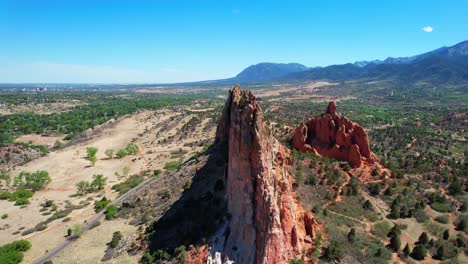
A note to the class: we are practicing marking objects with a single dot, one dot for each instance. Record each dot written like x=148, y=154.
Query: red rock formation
x=267, y=223
x=334, y=136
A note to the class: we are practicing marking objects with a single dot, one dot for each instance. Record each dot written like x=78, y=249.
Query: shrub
x=22, y=201
x=127, y=185
x=444, y=219
x=109, y=153
x=58, y=144
x=381, y=229
x=110, y=212
x=99, y=205
x=116, y=237
x=121, y=153
x=77, y=230
x=131, y=149
x=333, y=252
x=69, y=136
x=147, y=258
x=173, y=165
x=296, y=261
x=441, y=207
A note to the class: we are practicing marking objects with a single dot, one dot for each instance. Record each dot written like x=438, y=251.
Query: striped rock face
x=266, y=222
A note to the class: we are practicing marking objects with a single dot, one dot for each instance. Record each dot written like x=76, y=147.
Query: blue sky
x=174, y=41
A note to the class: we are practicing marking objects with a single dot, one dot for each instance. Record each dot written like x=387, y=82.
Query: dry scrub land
x=161, y=137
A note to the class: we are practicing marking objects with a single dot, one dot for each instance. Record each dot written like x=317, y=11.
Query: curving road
x=90, y=223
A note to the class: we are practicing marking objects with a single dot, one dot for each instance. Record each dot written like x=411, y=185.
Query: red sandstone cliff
x=334, y=136
x=267, y=224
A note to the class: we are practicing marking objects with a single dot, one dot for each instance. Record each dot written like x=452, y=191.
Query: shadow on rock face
x=199, y=212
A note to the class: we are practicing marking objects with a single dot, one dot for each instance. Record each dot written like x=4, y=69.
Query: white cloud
x=427, y=29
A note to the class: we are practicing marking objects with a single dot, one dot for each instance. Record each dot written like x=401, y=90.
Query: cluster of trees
x=97, y=184
x=32, y=180
x=12, y=253
x=26, y=184
x=130, y=149
x=98, y=109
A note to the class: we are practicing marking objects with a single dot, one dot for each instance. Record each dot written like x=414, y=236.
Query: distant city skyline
x=179, y=41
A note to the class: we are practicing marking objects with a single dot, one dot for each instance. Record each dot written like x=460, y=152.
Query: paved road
x=90, y=223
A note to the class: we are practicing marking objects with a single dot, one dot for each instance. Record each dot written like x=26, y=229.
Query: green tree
x=446, y=234
x=91, y=155
x=333, y=252
x=34, y=181
x=462, y=224
x=121, y=153
x=396, y=230
x=423, y=239
x=93, y=160
x=395, y=211
x=455, y=188
x=147, y=259
x=109, y=153
x=91, y=151
x=77, y=230
x=367, y=205
x=99, y=205
x=99, y=181
x=395, y=243
x=132, y=149
x=69, y=232
x=83, y=187
x=352, y=235
x=419, y=252
x=441, y=252
x=110, y=212
x=406, y=250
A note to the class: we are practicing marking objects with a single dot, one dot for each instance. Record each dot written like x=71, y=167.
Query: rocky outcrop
x=266, y=223
x=334, y=136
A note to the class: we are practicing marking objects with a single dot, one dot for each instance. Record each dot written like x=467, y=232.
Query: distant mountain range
x=460, y=49
x=444, y=65
x=268, y=71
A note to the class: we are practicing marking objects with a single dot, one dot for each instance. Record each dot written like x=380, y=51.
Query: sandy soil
x=160, y=138
x=40, y=140
x=94, y=243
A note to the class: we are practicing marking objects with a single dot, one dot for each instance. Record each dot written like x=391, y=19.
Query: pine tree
x=423, y=239
x=406, y=250
x=395, y=243
x=441, y=252
x=394, y=231
x=419, y=252
x=446, y=234
x=352, y=235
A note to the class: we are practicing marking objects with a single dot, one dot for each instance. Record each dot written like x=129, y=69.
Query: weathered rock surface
x=266, y=222
x=334, y=136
